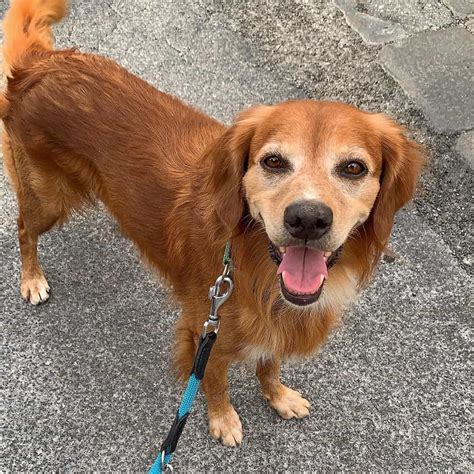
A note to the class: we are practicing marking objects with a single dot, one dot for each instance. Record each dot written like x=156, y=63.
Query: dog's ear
x=402, y=160
x=227, y=160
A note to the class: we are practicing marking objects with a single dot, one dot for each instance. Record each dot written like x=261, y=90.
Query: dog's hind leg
x=34, y=287
x=36, y=216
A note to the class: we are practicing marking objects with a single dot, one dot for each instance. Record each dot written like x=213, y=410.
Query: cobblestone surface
x=380, y=22
x=465, y=147
x=432, y=57
x=461, y=8
x=436, y=71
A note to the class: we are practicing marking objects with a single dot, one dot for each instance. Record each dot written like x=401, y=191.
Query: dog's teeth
x=282, y=249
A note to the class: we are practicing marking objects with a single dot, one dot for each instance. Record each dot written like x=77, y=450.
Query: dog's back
x=80, y=127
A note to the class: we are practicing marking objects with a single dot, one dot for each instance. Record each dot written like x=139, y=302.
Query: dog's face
x=311, y=193
x=311, y=174
x=312, y=178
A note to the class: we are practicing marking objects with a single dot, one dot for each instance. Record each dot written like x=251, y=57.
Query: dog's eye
x=353, y=169
x=274, y=163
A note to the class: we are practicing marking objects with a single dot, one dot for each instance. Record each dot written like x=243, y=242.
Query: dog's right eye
x=274, y=163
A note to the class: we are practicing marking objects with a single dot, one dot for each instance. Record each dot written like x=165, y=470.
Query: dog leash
x=219, y=293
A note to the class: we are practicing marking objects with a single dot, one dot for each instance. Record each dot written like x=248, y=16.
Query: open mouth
x=303, y=271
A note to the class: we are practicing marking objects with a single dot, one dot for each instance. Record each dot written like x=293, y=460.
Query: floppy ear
x=402, y=160
x=227, y=161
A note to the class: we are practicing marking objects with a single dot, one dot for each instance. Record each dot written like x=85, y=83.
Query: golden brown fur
x=180, y=184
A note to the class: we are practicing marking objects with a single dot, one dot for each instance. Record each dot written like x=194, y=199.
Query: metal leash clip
x=218, y=294
x=164, y=466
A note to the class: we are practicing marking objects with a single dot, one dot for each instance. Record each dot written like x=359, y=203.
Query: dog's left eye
x=353, y=169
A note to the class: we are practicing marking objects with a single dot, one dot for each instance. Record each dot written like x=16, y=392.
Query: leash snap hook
x=218, y=296
x=164, y=466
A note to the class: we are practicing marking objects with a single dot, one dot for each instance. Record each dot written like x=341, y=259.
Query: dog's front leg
x=286, y=402
x=224, y=422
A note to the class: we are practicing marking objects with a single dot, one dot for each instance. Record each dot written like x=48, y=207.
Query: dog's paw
x=34, y=289
x=226, y=427
x=288, y=403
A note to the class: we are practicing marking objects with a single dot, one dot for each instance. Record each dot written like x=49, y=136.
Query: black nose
x=308, y=219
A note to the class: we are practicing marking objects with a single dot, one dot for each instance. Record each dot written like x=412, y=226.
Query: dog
x=306, y=191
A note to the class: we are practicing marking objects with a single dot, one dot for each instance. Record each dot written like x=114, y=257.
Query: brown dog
x=314, y=185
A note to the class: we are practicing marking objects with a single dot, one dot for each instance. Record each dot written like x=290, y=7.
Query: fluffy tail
x=27, y=26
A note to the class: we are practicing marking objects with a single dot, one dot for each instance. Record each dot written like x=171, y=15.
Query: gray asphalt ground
x=88, y=384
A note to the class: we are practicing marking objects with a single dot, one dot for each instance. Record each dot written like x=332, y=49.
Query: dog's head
x=314, y=174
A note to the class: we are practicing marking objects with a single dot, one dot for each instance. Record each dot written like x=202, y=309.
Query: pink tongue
x=303, y=270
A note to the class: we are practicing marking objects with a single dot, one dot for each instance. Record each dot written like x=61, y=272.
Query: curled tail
x=27, y=26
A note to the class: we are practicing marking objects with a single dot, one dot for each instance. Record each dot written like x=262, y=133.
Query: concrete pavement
x=88, y=384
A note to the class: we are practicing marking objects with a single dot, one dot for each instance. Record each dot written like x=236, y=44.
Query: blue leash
x=218, y=296
x=162, y=462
